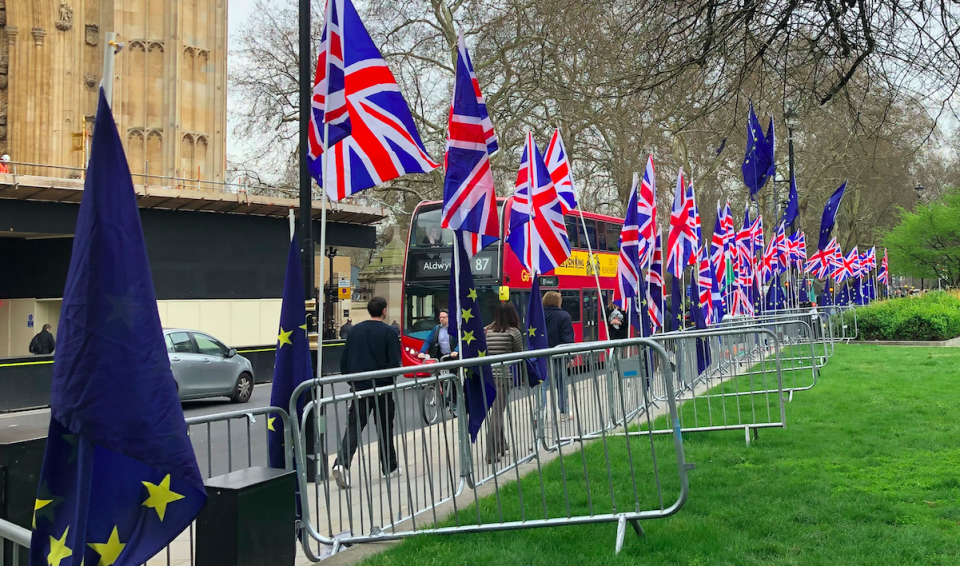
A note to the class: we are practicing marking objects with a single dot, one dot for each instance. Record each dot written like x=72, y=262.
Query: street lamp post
x=306, y=182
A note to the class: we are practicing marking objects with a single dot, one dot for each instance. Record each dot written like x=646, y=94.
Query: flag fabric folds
x=883, y=274
x=292, y=363
x=792, y=211
x=647, y=211
x=535, y=335
x=469, y=198
x=682, y=240
x=758, y=165
x=372, y=136
x=558, y=164
x=829, y=217
x=655, y=285
x=628, y=262
x=465, y=324
x=538, y=233
x=119, y=478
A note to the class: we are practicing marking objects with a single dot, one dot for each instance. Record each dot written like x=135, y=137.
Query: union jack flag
x=709, y=289
x=756, y=232
x=683, y=242
x=628, y=264
x=768, y=262
x=538, y=235
x=783, y=250
x=863, y=265
x=849, y=266
x=798, y=249
x=655, y=284
x=356, y=101
x=823, y=261
x=469, y=198
x=742, y=305
x=883, y=275
x=871, y=258
x=558, y=163
x=647, y=211
x=720, y=245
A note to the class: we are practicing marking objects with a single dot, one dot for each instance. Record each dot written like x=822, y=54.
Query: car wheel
x=244, y=389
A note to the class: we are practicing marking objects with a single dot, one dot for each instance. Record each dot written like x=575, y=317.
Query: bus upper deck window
x=613, y=237
x=591, y=234
x=573, y=229
x=427, y=231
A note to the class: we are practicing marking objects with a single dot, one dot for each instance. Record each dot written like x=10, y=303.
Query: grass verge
x=866, y=472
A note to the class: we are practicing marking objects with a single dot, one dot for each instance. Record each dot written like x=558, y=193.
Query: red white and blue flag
x=558, y=163
x=538, y=235
x=871, y=258
x=742, y=304
x=823, y=262
x=628, y=263
x=647, y=211
x=849, y=266
x=683, y=240
x=469, y=198
x=783, y=250
x=883, y=275
x=655, y=284
x=798, y=249
x=356, y=100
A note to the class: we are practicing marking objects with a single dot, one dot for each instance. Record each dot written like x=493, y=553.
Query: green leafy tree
x=926, y=243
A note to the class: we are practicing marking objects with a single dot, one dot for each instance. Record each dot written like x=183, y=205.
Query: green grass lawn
x=866, y=472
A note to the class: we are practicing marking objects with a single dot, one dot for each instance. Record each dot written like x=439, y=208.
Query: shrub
x=931, y=316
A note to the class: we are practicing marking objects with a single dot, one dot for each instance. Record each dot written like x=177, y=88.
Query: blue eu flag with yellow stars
x=292, y=364
x=119, y=479
x=478, y=387
x=535, y=334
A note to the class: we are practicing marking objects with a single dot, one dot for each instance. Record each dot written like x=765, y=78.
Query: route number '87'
x=481, y=264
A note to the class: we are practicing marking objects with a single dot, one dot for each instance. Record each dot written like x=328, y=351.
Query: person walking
x=370, y=346
x=617, y=324
x=503, y=337
x=346, y=328
x=559, y=331
x=43, y=343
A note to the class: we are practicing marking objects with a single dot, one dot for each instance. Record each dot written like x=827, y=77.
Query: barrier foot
x=790, y=398
x=622, y=530
x=746, y=434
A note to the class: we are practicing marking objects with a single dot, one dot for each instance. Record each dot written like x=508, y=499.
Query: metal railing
x=545, y=455
x=16, y=540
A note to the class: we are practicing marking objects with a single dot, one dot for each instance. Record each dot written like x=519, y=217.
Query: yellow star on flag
x=304, y=327
x=160, y=496
x=472, y=295
x=109, y=551
x=59, y=549
x=284, y=337
x=468, y=336
x=532, y=331
x=481, y=353
x=270, y=423
x=466, y=314
x=38, y=505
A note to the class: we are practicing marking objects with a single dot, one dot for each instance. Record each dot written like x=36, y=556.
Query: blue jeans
x=558, y=371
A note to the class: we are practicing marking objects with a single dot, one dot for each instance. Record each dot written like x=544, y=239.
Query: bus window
x=572, y=231
x=571, y=304
x=422, y=308
x=601, y=236
x=590, y=236
x=613, y=238
x=427, y=232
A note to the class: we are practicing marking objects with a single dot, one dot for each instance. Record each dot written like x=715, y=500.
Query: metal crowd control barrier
x=216, y=432
x=554, y=454
x=16, y=540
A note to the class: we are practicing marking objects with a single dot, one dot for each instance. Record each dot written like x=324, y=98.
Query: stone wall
x=169, y=96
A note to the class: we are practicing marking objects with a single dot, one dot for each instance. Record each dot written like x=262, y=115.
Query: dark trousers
x=383, y=408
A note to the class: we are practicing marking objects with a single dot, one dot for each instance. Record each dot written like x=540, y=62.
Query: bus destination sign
x=434, y=266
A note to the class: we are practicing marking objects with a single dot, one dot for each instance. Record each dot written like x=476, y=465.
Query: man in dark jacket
x=371, y=345
x=346, y=328
x=43, y=343
x=559, y=331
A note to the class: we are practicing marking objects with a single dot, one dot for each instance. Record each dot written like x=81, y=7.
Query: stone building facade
x=169, y=93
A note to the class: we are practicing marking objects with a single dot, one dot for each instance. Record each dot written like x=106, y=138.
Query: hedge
x=931, y=316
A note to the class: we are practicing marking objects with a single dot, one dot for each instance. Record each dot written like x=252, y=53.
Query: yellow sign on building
x=579, y=263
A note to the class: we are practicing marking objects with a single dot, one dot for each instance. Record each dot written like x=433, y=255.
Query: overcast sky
x=237, y=13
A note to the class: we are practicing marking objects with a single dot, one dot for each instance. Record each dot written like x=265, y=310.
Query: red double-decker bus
x=429, y=258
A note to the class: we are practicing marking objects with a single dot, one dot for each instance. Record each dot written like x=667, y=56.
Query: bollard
x=249, y=519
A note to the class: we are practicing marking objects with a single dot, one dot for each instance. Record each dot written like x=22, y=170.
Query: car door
x=219, y=371
x=186, y=363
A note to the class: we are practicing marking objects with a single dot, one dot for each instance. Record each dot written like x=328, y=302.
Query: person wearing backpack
x=43, y=343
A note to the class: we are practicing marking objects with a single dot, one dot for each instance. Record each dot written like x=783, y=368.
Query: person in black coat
x=559, y=331
x=43, y=343
x=371, y=345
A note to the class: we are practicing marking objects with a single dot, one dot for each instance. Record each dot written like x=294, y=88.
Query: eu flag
x=535, y=334
x=758, y=163
x=292, y=365
x=793, y=204
x=465, y=323
x=119, y=479
x=830, y=216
